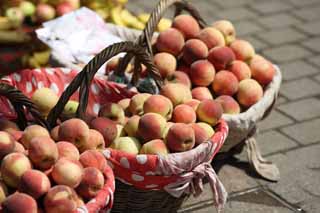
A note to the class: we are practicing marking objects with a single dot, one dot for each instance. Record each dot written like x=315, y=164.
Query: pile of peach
x=212, y=63
x=43, y=172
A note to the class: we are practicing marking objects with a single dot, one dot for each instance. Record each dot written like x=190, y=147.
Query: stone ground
x=288, y=33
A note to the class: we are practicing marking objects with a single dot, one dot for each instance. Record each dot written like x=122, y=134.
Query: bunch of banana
x=36, y=59
x=164, y=23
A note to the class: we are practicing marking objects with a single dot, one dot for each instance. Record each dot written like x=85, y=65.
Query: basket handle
x=19, y=101
x=84, y=78
x=156, y=15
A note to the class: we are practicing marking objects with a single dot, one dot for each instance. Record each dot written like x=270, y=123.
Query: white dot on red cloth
x=142, y=159
x=28, y=87
x=49, y=71
x=54, y=87
x=34, y=81
x=151, y=173
x=96, y=108
x=107, y=199
x=17, y=77
x=214, y=146
x=66, y=70
x=137, y=178
x=106, y=153
x=40, y=85
x=125, y=163
x=82, y=209
x=37, y=70
x=92, y=201
x=95, y=89
x=65, y=86
x=150, y=186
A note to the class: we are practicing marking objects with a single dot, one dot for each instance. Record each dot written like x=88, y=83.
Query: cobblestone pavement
x=288, y=33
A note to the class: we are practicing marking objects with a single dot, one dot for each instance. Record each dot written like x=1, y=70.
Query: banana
x=13, y=37
x=103, y=13
x=5, y=23
x=143, y=17
x=164, y=24
x=42, y=57
x=130, y=20
x=116, y=17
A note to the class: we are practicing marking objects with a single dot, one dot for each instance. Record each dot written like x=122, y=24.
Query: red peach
x=136, y=103
x=60, y=198
x=193, y=103
x=158, y=104
x=34, y=183
x=225, y=83
x=229, y=105
x=202, y=73
x=19, y=202
x=67, y=172
x=7, y=144
x=209, y=111
x=179, y=77
x=91, y=183
x=96, y=140
x=68, y=150
x=31, y=132
x=154, y=147
x=180, y=137
x=126, y=144
x=54, y=133
x=170, y=41
x=221, y=57
x=8, y=126
x=113, y=111
x=193, y=50
x=151, y=126
x=262, y=71
x=249, y=93
x=240, y=69
x=93, y=158
x=3, y=191
x=211, y=37
x=166, y=63
x=201, y=93
x=187, y=25
x=184, y=114
x=18, y=147
x=207, y=128
x=177, y=93
x=243, y=50
x=227, y=29
x=45, y=12
x=131, y=127
x=64, y=8
x=106, y=127
x=200, y=134
x=124, y=103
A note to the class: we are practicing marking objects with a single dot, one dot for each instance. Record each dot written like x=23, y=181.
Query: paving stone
x=299, y=89
x=306, y=132
x=313, y=44
x=205, y=195
x=317, y=78
x=231, y=3
x=286, y=53
x=302, y=109
x=312, y=205
x=246, y=27
x=278, y=20
x=308, y=13
x=281, y=100
x=270, y=7
x=299, y=170
x=315, y=60
x=281, y=36
x=273, y=141
x=303, y=3
x=297, y=69
x=312, y=28
x=235, y=14
x=257, y=43
x=274, y=120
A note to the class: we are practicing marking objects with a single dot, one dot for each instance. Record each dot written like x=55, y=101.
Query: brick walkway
x=288, y=33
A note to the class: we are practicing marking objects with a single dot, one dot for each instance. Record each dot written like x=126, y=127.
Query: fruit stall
x=134, y=126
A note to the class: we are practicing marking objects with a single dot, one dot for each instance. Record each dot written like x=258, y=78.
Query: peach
x=154, y=147
x=187, y=25
x=67, y=172
x=151, y=126
x=106, y=127
x=45, y=12
x=211, y=37
x=229, y=105
x=249, y=93
x=136, y=103
x=60, y=198
x=193, y=50
x=34, y=183
x=262, y=71
x=158, y=104
x=32, y=132
x=166, y=63
x=93, y=158
x=54, y=133
x=18, y=147
x=243, y=50
x=200, y=134
x=177, y=93
x=63, y=8
x=240, y=69
x=207, y=128
x=91, y=183
x=225, y=83
x=112, y=111
x=43, y=152
x=3, y=191
x=7, y=144
x=179, y=77
x=202, y=73
x=227, y=29
x=69, y=110
x=124, y=104
x=8, y=126
x=170, y=41
x=13, y=166
x=166, y=129
x=201, y=93
x=209, y=111
x=19, y=202
x=75, y=131
x=127, y=144
x=221, y=57
x=131, y=127
x=112, y=65
x=45, y=99
x=193, y=103
x=68, y=150
x=184, y=114
x=96, y=140
x=180, y=137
